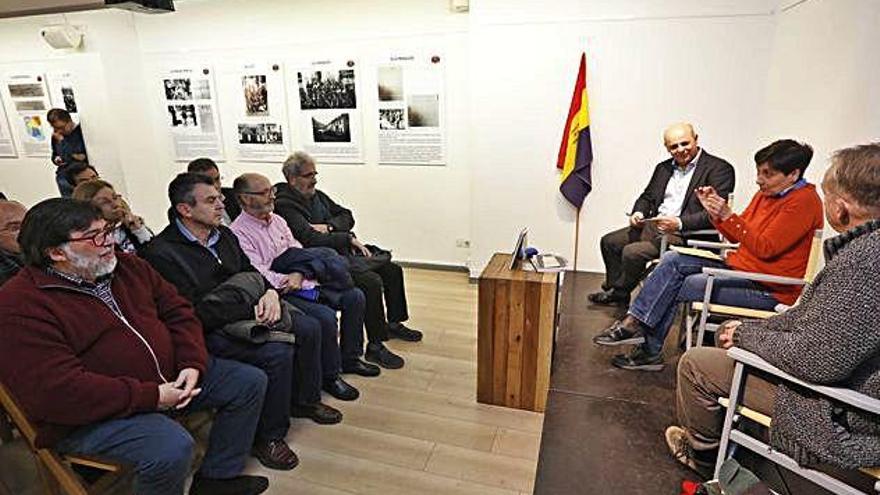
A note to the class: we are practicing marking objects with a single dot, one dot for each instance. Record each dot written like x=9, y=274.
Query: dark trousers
x=310, y=359
x=65, y=188
x=387, y=281
x=160, y=449
x=626, y=253
x=339, y=342
x=276, y=360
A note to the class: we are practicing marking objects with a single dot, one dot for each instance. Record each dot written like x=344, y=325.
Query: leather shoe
x=402, y=332
x=618, y=334
x=275, y=454
x=609, y=298
x=381, y=355
x=238, y=485
x=341, y=390
x=361, y=368
x=318, y=412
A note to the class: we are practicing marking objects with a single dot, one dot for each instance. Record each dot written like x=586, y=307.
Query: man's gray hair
x=294, y=164
x=855, y=172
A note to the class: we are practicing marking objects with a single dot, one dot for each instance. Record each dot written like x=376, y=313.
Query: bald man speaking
x=667, y=206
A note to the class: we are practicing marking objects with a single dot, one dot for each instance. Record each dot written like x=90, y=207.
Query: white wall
x=744, y=72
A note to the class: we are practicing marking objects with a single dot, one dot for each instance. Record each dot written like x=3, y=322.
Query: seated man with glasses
x=130, y=232
x=101, y=353
x=11, y=215
x=264, y=237
x=208, y=167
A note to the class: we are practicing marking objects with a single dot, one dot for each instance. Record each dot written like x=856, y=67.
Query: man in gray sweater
x=831, y=338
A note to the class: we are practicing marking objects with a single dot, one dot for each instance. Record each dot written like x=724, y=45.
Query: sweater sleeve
x=796, y=219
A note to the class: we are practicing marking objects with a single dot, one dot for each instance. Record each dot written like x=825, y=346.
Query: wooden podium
x=517, y=310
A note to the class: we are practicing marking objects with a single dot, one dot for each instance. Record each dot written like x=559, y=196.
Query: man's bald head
x=11, y=215
x=681, y=142
x=255, y=194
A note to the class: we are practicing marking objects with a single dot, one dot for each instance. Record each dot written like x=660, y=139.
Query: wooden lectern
x=517, y=312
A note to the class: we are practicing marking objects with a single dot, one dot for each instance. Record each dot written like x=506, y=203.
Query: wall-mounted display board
x=30, y=102
x=7, y=144
x=328, y=116
x=262, y=134
x=411, y=121
x=62, y=93
x=191, y=113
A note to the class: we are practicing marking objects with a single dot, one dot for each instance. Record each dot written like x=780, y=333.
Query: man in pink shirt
x=264, y=236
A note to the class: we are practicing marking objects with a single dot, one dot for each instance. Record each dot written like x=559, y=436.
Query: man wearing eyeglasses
x=197, y=254
x=101, y=352
x=208, y=167
x=11, y=215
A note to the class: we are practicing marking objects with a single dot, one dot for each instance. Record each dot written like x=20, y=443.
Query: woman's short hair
x=786, y=156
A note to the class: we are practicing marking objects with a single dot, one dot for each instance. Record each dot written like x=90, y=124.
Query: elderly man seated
x=775, y=234
x=832, y=337
x=100, y=351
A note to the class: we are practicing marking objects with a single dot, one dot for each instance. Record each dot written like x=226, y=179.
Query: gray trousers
x=704, y=375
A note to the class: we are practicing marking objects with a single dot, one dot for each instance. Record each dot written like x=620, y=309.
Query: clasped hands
x=714, y=204
x=179, y=393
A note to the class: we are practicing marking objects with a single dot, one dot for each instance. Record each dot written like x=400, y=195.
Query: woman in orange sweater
x=775, y=233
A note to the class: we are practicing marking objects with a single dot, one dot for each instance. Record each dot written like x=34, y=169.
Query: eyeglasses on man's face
x=103, y=237
x=270, y=192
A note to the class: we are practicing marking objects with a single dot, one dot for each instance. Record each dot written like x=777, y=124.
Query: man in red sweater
x=100, y=352
x=775, y=234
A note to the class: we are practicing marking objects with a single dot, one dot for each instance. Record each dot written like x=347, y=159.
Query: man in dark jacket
x=97, y=347
x=196, y=254
x=11, y=215
x=316, y=220
x=206, y=166
x=68, y=146
x=667, y=206
x=832, y=337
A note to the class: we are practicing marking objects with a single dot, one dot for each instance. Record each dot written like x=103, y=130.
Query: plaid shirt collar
x=833, y=245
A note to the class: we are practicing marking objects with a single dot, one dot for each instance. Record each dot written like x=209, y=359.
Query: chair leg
x=735, y=388
x=688, y=326
x=704, y=316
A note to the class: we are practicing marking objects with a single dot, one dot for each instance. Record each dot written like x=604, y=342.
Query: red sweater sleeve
x=784, y=230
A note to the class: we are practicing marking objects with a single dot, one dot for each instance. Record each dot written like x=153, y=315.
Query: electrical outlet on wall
x=462, y=243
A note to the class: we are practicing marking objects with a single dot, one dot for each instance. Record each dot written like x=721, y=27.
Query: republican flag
x=576, y=151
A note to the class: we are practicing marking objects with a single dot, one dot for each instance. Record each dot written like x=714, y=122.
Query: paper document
x=699, y=253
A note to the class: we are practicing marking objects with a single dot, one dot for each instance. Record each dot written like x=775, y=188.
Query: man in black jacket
x=316, y=220
x=668, y=206
x=208, y=167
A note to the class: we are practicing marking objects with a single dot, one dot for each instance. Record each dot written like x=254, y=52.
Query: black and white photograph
x=423, y=110
x=183, y=115
x=331, y=130
x=69, y=100
x=202, y=90
x=26, y=90
x=29, y=105
x=256, y=97
x=390, y=83
x=391, y=119
x=260, y=134
x=178, y=89
x=322, y=89
x=206, y=119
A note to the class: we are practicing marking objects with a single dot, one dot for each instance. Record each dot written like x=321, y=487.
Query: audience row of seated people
x=828, y=335
x=111, y=332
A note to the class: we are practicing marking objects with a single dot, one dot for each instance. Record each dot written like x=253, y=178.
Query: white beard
x=89, y=268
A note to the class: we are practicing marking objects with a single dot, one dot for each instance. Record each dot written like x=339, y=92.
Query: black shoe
x=361, y=368
x=275, y=454
x=609, y=298
x=402, y=332
x=617, y=334
x=318, y=412
x=239, y=485
x=639, y=360
x=381, y=355
x=341, y=390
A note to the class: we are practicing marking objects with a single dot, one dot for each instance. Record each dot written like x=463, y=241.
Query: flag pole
x=577, y=230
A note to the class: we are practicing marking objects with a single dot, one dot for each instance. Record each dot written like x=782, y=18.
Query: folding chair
x=56, y=470
x=731, y=437
x=705, y=308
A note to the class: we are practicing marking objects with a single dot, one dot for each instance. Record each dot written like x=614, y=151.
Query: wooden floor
x=417, y=430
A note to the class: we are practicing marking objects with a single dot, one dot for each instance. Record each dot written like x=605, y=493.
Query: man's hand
x=169, y=396
x=358, y=247
x=714, y=204
x=294, y=281
x=268, y=308
x=668, y=224
x=725, y=333
x=637, y=219
x=320, y=227
x=186, y=383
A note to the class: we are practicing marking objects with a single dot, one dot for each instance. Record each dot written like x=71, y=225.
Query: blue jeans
x=680, y=278
x=276, y=360
x=160, y=449
x=65, y=188
x=350, y=346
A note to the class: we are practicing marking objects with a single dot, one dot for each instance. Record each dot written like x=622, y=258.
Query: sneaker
x=381, y=355
x=639, y=360
x=681, y=450
x=617, y=334
x=402, y=332
x=275, y=454
x=239, y=485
